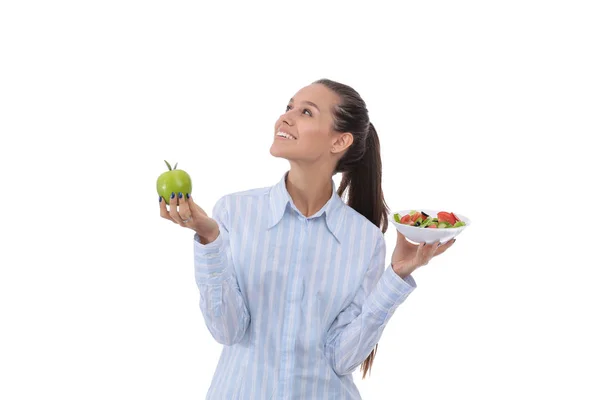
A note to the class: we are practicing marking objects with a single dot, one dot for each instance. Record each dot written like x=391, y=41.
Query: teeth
x=285, y=135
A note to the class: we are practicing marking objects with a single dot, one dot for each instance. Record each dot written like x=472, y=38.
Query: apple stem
x=169, y=165
x=175, y=167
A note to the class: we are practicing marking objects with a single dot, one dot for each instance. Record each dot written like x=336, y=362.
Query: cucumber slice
x=397, y=217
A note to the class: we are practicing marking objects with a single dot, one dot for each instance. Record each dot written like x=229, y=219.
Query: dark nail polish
x=159, y=199
x=187, y=195
x=180, y=195
x=172, y=195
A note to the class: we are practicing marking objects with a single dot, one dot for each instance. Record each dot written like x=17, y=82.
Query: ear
x=342, y=142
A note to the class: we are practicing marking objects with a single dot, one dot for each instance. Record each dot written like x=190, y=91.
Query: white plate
x=428, y=235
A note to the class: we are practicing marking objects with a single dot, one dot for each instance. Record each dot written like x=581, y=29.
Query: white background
x=488, y=109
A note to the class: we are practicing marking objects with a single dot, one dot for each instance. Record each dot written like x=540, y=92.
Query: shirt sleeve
x=358, y=328
x=221, y=300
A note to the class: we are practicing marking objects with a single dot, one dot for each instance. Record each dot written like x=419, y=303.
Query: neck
x=310, y=188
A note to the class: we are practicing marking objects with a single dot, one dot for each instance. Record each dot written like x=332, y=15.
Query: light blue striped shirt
x=298, y=302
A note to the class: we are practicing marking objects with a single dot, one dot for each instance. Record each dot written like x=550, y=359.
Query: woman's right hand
x=190, y=215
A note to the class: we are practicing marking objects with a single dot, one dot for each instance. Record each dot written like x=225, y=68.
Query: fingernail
x=180, y=195
x=172, y=195
x=159, y=199
x=187, y=195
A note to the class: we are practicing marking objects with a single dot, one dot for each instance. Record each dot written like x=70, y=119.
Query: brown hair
x=360, y=166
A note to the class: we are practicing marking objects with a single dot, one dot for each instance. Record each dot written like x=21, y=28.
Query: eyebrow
x=310, y=103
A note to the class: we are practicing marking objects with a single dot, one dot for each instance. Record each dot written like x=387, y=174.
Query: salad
x=421, y=219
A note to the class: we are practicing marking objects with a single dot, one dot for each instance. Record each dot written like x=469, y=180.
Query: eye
x=288, y=108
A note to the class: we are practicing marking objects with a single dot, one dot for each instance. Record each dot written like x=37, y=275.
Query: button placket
x=292, y=299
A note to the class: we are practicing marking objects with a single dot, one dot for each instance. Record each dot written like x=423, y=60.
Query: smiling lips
x=285, y=135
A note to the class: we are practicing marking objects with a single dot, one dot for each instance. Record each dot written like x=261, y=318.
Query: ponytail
x=362, y=179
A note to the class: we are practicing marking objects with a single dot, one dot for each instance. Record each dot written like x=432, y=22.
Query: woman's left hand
x=407, y=256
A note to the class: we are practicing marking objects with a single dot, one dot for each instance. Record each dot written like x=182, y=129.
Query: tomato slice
x=444, y=216
x=432, y=226
x=455, y=217
x=405, y=219
x=416, y=216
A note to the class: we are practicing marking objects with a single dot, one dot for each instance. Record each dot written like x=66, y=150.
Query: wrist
x=401, y=270
x=208, y=238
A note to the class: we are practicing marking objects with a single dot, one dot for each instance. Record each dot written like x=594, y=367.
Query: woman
x=292, y=279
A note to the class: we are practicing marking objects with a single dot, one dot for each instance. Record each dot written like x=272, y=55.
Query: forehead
x=318, y=94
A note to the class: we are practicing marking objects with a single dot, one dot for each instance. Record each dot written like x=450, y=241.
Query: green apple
x=174, y=180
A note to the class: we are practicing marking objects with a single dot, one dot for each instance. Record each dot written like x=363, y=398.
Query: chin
x=278, y=152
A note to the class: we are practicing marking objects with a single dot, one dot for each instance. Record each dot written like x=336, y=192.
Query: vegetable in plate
x=420, y=219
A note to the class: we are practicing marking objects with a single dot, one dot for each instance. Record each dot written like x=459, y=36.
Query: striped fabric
x=297, y=302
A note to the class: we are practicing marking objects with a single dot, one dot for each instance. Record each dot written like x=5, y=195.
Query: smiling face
x=304, y=133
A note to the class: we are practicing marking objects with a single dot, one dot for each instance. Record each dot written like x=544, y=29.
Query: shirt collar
x=279, y=199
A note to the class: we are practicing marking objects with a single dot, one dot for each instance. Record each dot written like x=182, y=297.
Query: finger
x=195, y=209
x=421, y=254
x=426, y=253
x=173, y=209
x=163, y=210
x=184, y=209
x=431, y=248
x=428, y=250
x=444, y=247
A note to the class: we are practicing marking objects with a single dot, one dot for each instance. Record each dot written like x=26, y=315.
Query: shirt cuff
x=209, y=248
x=209, y=259
x=390, y=292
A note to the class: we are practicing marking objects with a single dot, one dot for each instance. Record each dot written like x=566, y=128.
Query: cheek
x=316, y=141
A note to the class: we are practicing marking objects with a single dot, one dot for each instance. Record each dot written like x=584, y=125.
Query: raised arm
x=358, y=328
x=221, y=301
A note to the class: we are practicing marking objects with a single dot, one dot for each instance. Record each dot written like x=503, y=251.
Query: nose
x=288, y=118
